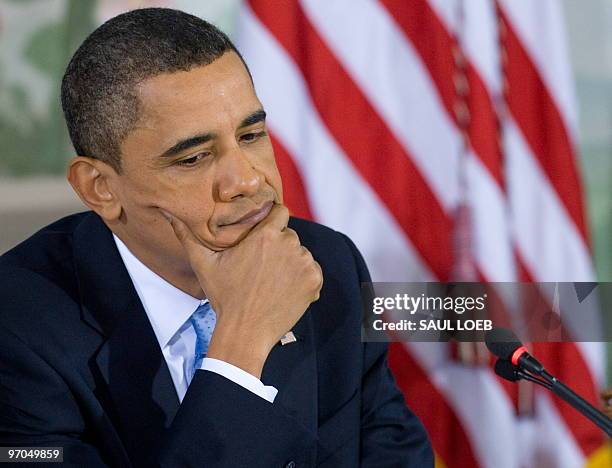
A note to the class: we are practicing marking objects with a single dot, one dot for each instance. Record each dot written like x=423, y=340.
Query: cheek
x=183, y=195
x=274, y=179
x=268, y=167
x=192, y=204
x=140, y=189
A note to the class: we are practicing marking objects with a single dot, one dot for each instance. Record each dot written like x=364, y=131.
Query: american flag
x=440, y=135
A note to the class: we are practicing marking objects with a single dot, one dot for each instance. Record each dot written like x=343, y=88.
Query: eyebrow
x=255, y=117
x=187, y=143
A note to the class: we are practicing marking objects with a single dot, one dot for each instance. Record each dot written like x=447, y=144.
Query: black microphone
x=505, y=345
x=507, y=370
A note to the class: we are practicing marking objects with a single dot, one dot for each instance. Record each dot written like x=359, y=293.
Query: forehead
x=201, y=99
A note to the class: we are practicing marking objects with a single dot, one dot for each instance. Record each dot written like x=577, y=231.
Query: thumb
x=199, y=255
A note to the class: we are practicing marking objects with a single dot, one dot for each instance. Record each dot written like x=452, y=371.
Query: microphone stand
x=539, y=375
x=579, y=403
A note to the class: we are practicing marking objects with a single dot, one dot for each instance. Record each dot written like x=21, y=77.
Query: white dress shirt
x=169, y=310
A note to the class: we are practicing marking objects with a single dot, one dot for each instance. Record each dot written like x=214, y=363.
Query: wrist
x=248, y=352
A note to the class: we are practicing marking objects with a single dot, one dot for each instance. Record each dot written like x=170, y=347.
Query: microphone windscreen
x=502, y=342
x=506, y=370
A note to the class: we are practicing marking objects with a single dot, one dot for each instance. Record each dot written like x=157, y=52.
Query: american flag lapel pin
x=288, y=338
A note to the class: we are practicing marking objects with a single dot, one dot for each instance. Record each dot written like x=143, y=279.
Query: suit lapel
x=142, y=395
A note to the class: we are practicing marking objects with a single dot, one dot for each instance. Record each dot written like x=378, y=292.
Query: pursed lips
x=254, y=216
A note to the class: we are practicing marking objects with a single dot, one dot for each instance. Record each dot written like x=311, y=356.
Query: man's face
x=201, y=152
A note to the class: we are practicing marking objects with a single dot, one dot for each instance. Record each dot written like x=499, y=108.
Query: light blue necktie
x=203, y=321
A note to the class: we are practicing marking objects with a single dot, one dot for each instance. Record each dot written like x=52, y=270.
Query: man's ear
x=91, y=180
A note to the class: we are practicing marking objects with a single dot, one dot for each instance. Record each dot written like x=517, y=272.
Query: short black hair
x=98, y=91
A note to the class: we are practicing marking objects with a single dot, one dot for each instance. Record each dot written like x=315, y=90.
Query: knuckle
x=318, y=275
x=268, y=233
x=281, y=214
x=314, y=273
x=306, y=253
x=290, y=238
x=293, y=237
x=283, y=211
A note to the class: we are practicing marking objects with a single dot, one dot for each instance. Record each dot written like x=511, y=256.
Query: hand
x=258, y=288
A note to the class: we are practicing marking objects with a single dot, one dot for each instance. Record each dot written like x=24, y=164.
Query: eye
x=193, y=160
x=251, y=137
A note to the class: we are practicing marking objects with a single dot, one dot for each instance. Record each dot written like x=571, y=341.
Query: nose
x=236, y=176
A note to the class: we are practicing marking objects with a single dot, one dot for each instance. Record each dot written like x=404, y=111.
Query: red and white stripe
x=367, y=103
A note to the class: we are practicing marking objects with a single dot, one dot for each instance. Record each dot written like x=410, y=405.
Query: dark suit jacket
x=80, y=367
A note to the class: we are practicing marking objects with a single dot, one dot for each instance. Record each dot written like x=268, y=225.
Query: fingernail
x=167, y=215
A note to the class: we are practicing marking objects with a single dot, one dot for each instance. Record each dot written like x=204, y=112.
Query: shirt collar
x=167, y=307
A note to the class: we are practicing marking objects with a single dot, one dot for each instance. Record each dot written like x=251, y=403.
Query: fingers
x=320, y=276
x=198, y=253
x=314, y=272
x=276, y=220
x=292, y=237
x=319, y=273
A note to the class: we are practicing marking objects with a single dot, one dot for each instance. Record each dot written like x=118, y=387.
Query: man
x=146, y=332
